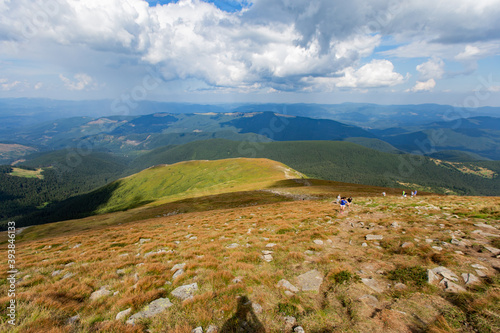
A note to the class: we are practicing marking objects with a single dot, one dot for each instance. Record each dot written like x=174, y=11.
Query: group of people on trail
x=413, y=194
x=344, y=202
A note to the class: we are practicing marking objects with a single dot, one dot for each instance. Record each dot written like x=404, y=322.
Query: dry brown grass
x=95, y=255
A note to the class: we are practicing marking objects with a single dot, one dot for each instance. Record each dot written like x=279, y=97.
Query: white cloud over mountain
x=285, y=45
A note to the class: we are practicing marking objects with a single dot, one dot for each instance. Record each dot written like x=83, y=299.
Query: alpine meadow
x=223, y=166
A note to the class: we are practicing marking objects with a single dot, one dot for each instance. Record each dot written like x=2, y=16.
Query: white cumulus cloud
x=424, y=86
x=434, y=68
x=80, y=81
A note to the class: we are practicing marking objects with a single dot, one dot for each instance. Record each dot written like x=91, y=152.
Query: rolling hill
x=166, y=183
x=345, y=162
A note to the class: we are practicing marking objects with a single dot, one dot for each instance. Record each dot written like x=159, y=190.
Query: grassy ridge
x=345, y=162
x=192, y=179
x=167, y=183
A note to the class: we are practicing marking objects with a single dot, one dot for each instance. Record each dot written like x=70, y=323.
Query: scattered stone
x=364, y=245
x=267, y=252
x=155, y=307
x=318, y=242
x=478, y=266
x=73, y=320
x=309, y=252
x=375, y=285
x=329, y=241
x=144, y=240
x=56, y=272
x=395, y=224
x=177, y=274
x=288, y=293
x=257, y=308
x=400, y=286
x=271, y=245
x=267, y=257
x=154, y=252
x=298, y=329
x=310, y=281
x=198, y=329
x=480, y=273
x=212, y=329
x=77, y=245
x=451, y=287
x=446, y=273
x=437, y=248
x=120, y=272
x=186, y=291
x=290, y=322
x=285, y=284
x=374, y=237
x=123, y=314
x=67, y=276
x=69, y=264
x=459, y=252
x=484, y=225
x=232, y=246
x=103, y=291
x=492, y=249
x=407, y=245
x=470, y=278
x=369, y=300
x=177, y=267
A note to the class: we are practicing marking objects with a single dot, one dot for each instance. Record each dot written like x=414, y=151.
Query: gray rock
x=257, y=308
x=407, y=245
x=310, y=281
x=177, y=267
x=120, y=271
x=198, y=329
x=492, y=249
x=73, y=320
x=364, y=245
x=484, y=225
x=232, y=246
x=123, y=314
x=212, y=329
x=288, y=293
x=374, y=237
x=298, y=329
x=186, y=291
x=290, y=322
x=400, y=286
x=144, y=240
x=478, y=266
x=432, y=277
x=67, y=276
x=56, y=272
x=451, y=287
x=318, y=242
x=446, y=273
x=155, y=307
x=369, y=300
x=375, y=285
x=103, y=291
x=267, y=257
x=271, y=245
x=395, y=224
x=470, y=279
x=285, y=284
x=177, y=274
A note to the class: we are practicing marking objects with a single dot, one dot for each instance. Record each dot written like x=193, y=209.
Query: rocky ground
x=387, y=264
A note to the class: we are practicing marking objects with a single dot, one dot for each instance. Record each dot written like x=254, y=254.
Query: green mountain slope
x=165, y=183
x=346, y=162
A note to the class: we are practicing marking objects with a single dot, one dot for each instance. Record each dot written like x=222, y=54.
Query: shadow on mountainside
x=244, y=320
x=76, y=207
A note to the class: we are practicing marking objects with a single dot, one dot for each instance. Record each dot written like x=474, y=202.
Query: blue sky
x=323, y=51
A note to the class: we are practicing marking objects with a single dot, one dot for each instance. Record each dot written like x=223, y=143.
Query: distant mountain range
x=420, y=128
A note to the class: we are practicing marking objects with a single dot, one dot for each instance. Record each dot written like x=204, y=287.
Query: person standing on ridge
x=343, y=202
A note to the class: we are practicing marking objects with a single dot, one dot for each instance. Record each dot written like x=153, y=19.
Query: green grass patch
x=415, y=275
